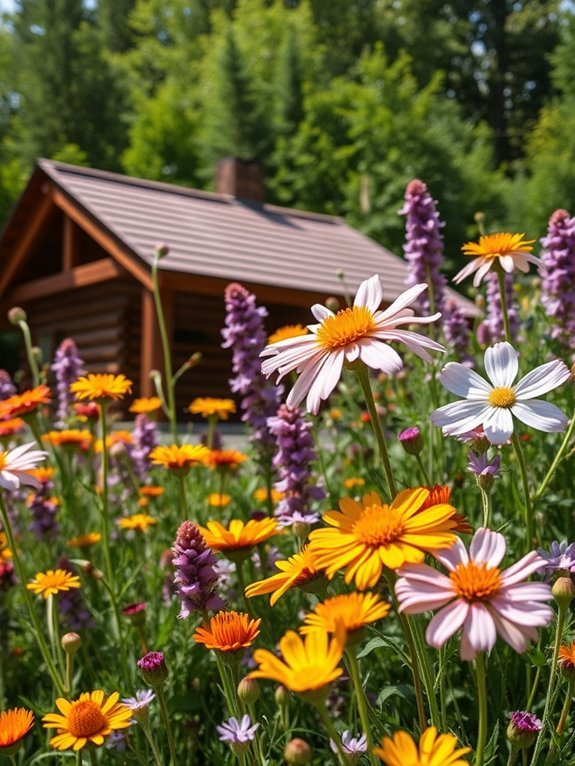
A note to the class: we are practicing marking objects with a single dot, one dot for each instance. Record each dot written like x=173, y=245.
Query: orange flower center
x=476, y=582
x=378, y=525
x=347, y=326
x=502, y=397
x=3, y=461
x=85, y=719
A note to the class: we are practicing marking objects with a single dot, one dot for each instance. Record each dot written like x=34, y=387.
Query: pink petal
x=369, y=293
x=479, y=628
x=446, y=622
x=487, y=547
x=516, y=636
x=522, y=569
x=453, y=556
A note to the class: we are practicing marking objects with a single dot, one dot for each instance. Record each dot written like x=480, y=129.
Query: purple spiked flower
x=456, y=331
x=7, y=388
x=424, y=243
x=558, y=285
x=67, y=366
x=194, y=578
x=293, y=462
x=238, y=734
x=244, y=333
x=145, y=436
x=493, y=322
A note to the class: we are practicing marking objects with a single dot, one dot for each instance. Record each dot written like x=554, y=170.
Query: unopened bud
x=297, y=752
x=135, y=613
x=37, y=353
x=249, y=691
x=479, y=217
x=411, y=440
x=70, y=643
x=485, y=481
x=301, y=530
x=17, y=315
x=281, y=696
x=195, y=359
x=162, y=250
x=332, y=303
x=153, y=668
x=563, y=591
x=523, y=729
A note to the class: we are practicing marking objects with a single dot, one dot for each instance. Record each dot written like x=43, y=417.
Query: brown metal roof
x=217, y=235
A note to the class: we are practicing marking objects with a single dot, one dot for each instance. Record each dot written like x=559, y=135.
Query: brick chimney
x=243, y=179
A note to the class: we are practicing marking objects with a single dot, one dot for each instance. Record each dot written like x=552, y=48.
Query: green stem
x=166, y=719
x=482, y=703
x=561, y=725
x=423, y=470
x=558, y=458
x=513, y=755
x=183, y=497
x=550, y=698
x=242, y=586
x=78, y=758
x=22, y=577
x=527, y=497
x=152, y=744
x=534, y=686
x=486, y=507
x=331, y=730
x=30, y=353
x=169, y=378
x=361, y=701
x=363, y=377
x=503, y=296
x=69, y=672
x=428, y=681
x=93, y=758
x=105, y=499
x=229, y=692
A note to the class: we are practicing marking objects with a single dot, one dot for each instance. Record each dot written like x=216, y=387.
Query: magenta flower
x=477, y=596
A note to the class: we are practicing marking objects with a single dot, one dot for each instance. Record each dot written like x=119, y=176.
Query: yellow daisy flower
x=88, y=720
x=369, y=535
x=352, y=610
x=239, y=537
x=218, y=500
x=288, y=331
x=509, y=251
x=433, y=750
x=14, y=725
x=85, y=541
x=208, y=407
x=226, y=459
x=113, y=438
x=101, y=386
x=52, y=582
x=180, y=458
x=69, y=437
x=308, y=665
x=296, y=572
x=228, y=632
x=353, y=482
x=261, y=495
x=146, y=405
x=138, y=522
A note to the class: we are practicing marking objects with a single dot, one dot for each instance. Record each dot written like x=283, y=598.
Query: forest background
x=342, y=101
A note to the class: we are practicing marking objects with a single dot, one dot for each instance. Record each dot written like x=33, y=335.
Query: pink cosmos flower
x=477, y=596
x=16, y=464
x=361, y=332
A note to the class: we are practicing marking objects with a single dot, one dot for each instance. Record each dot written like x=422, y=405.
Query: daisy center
x=378, y=525
x=502, y=397
x=3, y=461
x=347, y=326
x=85, y=719
x=476, y=582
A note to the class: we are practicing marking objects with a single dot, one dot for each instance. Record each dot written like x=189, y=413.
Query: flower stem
x=504, y=311
x=229, y=692
x=183, y=497
x=423, y=471
x=169, y=377
x=152, y=744
x=482, y=702
x=105, y=500
x=361, y=701
x=166, y=719
x=561, y=725
x=557, y=459
x=526, y=496
x=38, y=630
x=23, y=325
x=486, y=507
x=363, y=377
x=331, y=730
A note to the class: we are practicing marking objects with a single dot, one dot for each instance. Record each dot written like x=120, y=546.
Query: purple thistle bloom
x=244, y=333
x=195, y=578
x=67, y=367
x=411, y=441
x=7, y=388
x=352, y=746
x=526, y=722
x=152, y=661
x=293, y=462
x=424, y=243
x=456, y=331
x=558, y=284
x=493, y=322
x=480, y=465
x=238, y=734
x=560, y=558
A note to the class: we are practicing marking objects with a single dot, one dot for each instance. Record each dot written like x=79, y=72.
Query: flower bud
x=563, y=591
x=135, y=613
x=523, y=729
x=70, y=643
x=153, y=668
x=17, y=315
x=332, y=303
x=485, y=481
x=411, y=440
x=249, y=690
x=281, y=696
x=162, y=250
x=301, y=530
x=297, y=752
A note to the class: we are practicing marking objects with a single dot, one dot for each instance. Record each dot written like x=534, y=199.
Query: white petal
x=459, y=417
x=380, y=356
x=304, y=382
x=351, y=352
x=326, y=378
x=501, y=364
x=467, y=270
x=507, y=263
x=369, y=293
x=415, y=342
x=498, y=425
x=405, y=299
x=540, y=415
x=542, y=379
x=480, y=628
x=482, y=271
x=9, y=481
x=461, y=381
x=321, y=312
x=487, y=547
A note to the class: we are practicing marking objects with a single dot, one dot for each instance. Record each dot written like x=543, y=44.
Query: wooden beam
x=27, y=241
x=98, y=271
x=105, y=240
x=69, y=244
x=151, y=345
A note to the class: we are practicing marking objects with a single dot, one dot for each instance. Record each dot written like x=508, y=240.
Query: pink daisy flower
x=361, y=332
x=477, y=596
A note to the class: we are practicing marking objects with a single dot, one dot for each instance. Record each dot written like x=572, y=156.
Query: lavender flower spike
x=293, y=462
x=558, y=285
x=194, y=578
x=67, y=366
x=244, y=333
x=238, y=734
x=424, y=243
x=456, y=331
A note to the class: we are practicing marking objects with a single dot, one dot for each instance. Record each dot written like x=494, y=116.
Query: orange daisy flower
x=85, y=541
x=208, y=407
x=219, y=500
x=299, y=571
x=140, y=522
x=439, y=494
x=113, y=438
x=146, y=405
x=288, y=331
x=434, y=749
x=11, y=426
x=228, y=632
x=226, y=459
x=180, y=458
x=261, y=495
x=101, y=387
x=509, y=251
x=239, y=537
x=566, y=658
x=14, y=725
x=366, y=536
x=151, y=490
x=25, y=403
x=69, y=437
x=43, y=475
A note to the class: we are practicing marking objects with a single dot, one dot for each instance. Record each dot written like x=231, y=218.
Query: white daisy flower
x=493, y=405
x=15, y=465
x=357, y=333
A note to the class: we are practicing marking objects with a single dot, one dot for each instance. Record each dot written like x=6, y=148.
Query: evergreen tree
x=288, y=101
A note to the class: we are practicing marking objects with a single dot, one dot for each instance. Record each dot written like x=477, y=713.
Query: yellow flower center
x=502, y=397
x=3, y=461
x=347, y=326
x=378, y=525
x=85, y=719
x=476, y=582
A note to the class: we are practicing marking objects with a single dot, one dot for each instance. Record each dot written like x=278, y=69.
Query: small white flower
x=361, y=332
x=493, y=405
x=15, y=464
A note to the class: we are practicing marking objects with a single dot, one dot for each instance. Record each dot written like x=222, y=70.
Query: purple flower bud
x=195, y=578
x=523, y=729
x=67, y=367
x=411, y=440
x=153, y=667
x=558, y=284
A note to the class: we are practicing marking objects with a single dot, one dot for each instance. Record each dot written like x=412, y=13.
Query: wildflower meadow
x=382, y=574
